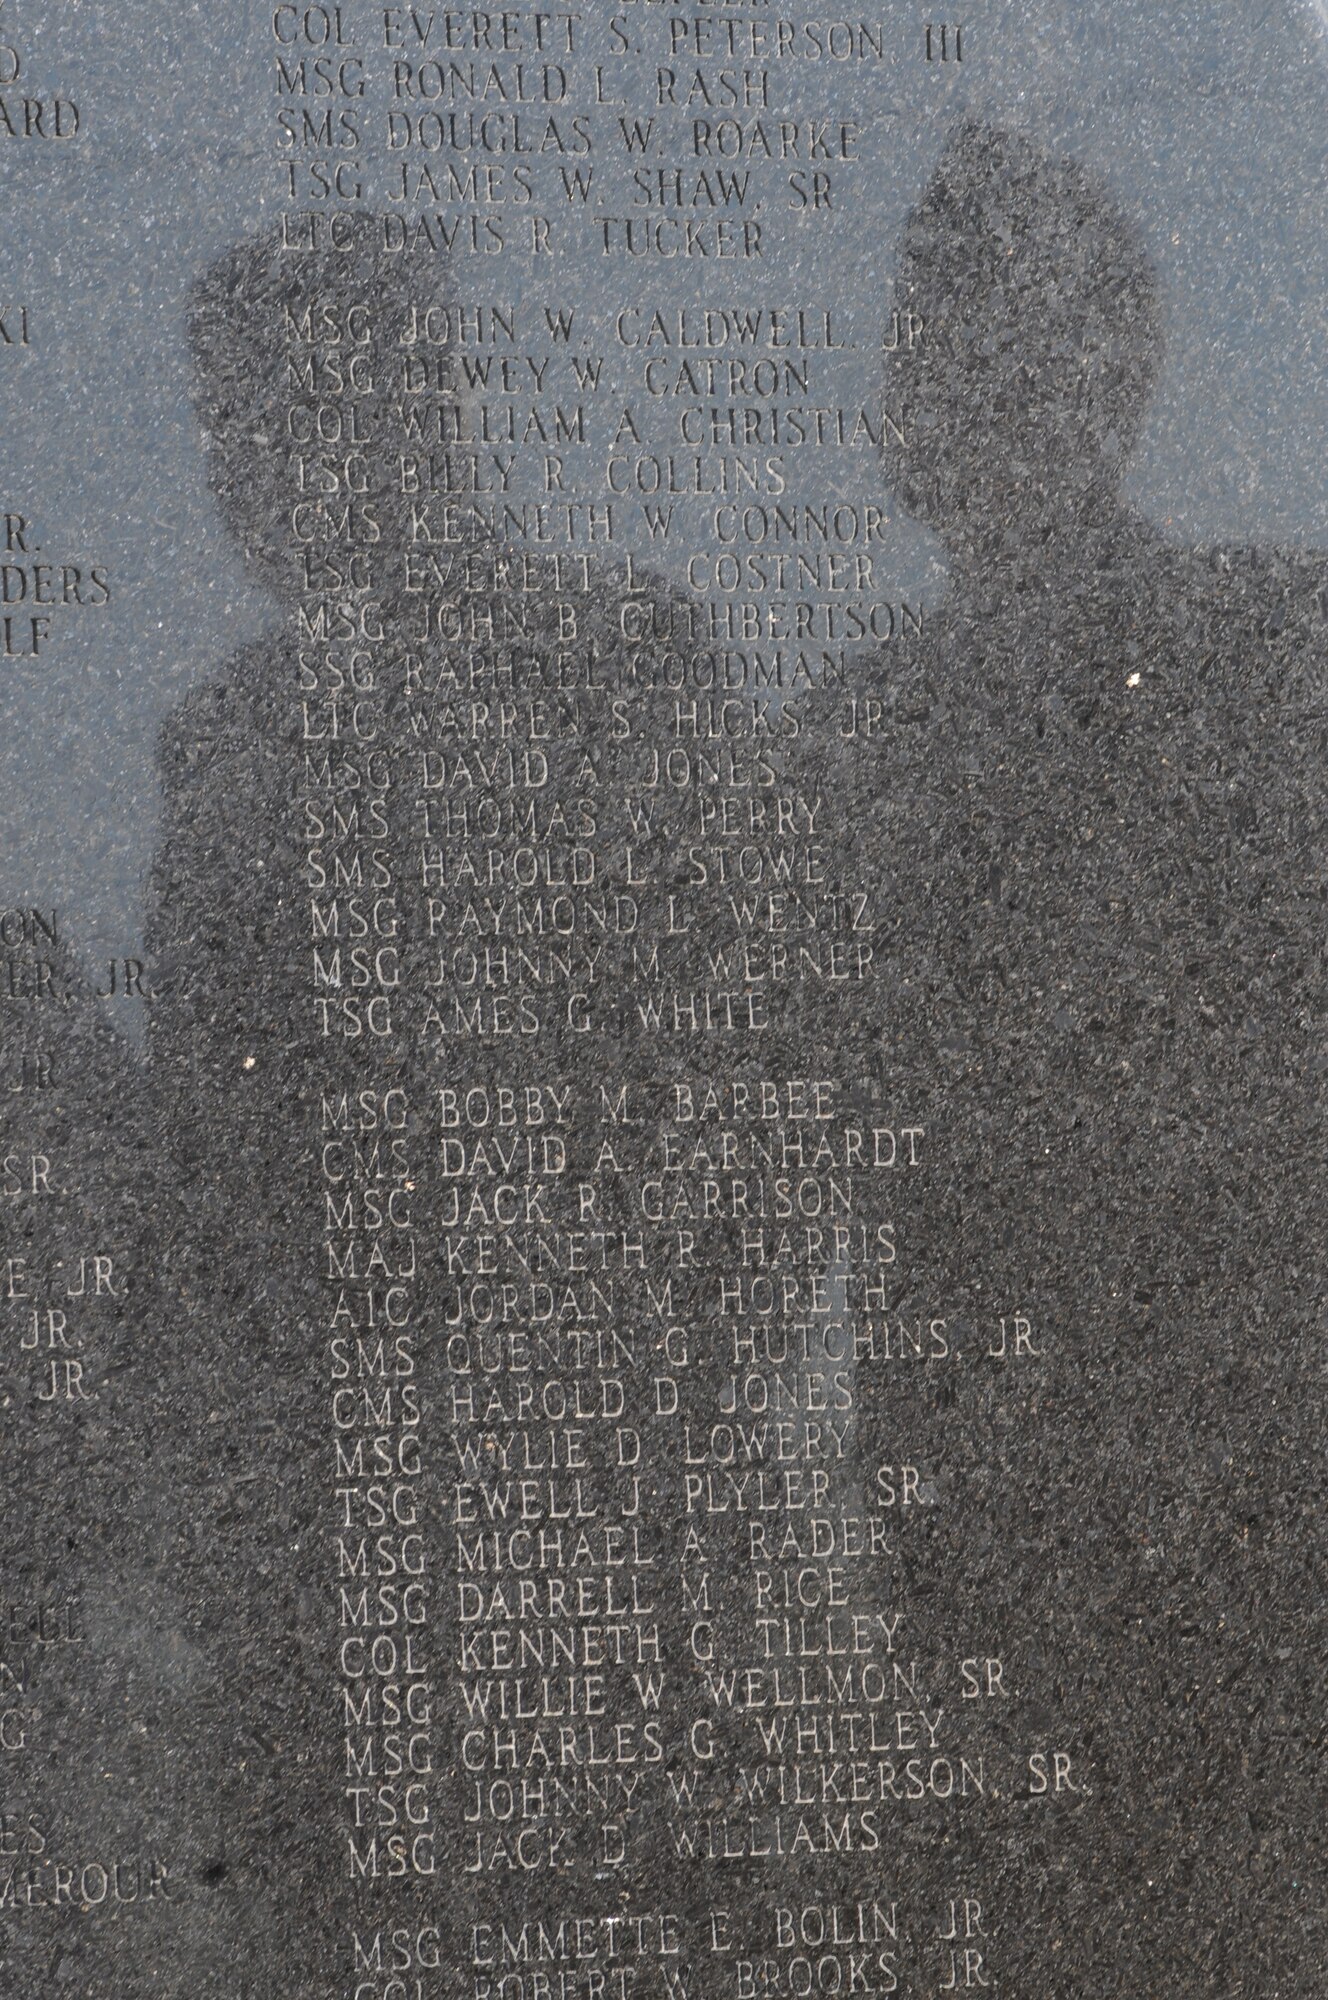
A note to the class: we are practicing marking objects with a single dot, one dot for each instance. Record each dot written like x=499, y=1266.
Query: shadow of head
x=299, y=367
x=1041, y=337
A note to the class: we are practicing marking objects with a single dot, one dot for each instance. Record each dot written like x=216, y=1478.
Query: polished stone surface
x=663, y=1007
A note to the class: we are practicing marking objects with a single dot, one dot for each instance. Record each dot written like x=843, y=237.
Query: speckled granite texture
x=775, y=1239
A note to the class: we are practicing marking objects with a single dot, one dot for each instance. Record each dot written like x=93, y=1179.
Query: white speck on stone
x=1133, y=680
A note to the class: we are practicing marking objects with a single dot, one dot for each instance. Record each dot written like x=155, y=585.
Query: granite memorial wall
x=662, y=1042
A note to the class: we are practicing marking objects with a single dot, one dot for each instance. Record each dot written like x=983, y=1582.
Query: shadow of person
x=1041, y=340
x=296, y=356
x=413, y=651
x=1099, y=793
x=1124, y=735
x=1022, y=402
x=340, y=428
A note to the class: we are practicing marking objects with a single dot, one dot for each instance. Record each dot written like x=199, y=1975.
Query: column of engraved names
x=652, y=1174
x=339, y=339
